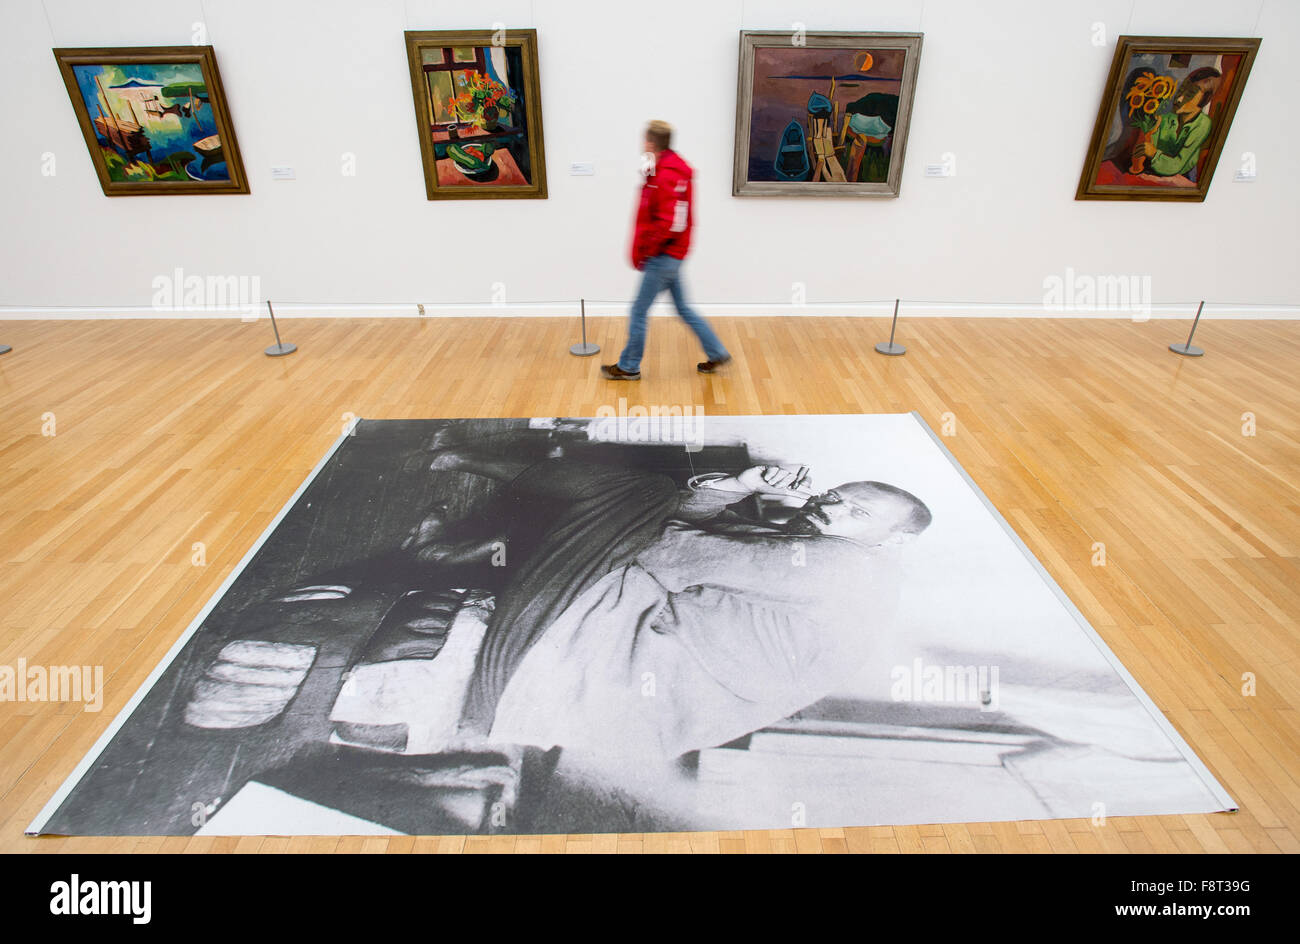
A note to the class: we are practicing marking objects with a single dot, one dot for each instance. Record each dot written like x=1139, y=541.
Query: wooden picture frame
x=817, y=157
x=467, y=153
x=1165, y=96
x=143, y=142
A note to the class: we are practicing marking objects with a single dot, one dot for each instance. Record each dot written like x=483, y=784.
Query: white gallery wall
x=1007, y=88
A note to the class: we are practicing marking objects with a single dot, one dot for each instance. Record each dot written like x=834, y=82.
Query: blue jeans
x=664, y=272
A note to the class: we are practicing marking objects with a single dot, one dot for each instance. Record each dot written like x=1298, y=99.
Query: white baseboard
x=877, y=309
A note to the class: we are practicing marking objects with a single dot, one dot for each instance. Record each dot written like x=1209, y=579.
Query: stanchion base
x=1186, y=349
x=893, y=350
x=279, y=350
x=585, y=350
x=5, y=349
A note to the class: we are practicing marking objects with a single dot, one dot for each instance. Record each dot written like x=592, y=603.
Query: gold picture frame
x=1165, y=97
x=478, y=113
x=144, y=141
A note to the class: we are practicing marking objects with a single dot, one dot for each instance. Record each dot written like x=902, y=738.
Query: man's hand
x=773, y=480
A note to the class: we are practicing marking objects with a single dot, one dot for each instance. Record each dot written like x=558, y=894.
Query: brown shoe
x=708, y=367
x=614, y=372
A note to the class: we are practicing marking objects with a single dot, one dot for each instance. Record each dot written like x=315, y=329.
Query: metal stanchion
x=584, y=349
x=279, y=348
x=1186, y=347
x=891, y=348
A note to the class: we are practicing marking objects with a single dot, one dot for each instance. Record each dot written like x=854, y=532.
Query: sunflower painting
x=1164, y=118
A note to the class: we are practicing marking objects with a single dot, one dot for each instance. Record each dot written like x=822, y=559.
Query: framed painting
x=155, y=119
x=478, y=111
x=823, y=114
x=1164, y=115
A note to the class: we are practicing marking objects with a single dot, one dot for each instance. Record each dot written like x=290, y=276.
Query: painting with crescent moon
x=823, y=114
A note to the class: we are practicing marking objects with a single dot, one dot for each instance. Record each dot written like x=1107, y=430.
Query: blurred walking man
x=659, y=244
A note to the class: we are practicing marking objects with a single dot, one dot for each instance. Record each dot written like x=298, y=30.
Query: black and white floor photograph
x=631, y=624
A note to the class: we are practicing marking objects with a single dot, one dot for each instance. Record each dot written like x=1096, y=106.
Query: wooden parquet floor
x=168, y=433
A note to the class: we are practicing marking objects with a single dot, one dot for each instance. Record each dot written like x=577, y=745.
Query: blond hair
x=660, y=134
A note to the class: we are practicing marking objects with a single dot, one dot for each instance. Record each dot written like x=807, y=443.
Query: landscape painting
x=823, y=114
x=155, y=119
x=478, y=113
x=1164, y=116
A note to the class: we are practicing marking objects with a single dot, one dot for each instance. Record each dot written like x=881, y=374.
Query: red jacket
x=663, y=220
